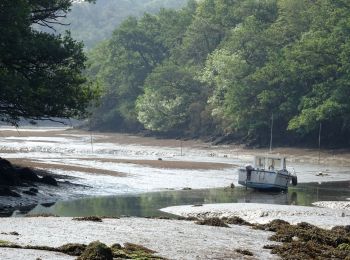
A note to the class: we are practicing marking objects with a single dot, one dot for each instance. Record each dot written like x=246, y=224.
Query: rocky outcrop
x=12, y=176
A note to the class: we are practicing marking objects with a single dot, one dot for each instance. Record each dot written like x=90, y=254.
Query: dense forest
x=92, y=23
x=226, y=68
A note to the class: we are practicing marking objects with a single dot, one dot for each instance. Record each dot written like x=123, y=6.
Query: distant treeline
x=224, y=67
x=92, y=23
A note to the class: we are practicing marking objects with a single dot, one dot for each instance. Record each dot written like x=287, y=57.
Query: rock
x=28, y=192
x=88, y=218
x=27, y=174
x=5, y=191
x=35, y=190
x=244, y=252
x=72, y=249
x=216, y=222
x=96, y=251
x=116, y=246
x=49, y=180
x=8, y=174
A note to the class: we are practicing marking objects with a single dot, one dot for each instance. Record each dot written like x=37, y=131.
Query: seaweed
x=89, y=218
x=306, y=241
x=244, y=252
x=216, y=222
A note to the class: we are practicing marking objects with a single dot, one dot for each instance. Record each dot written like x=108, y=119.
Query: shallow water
x=148, y=204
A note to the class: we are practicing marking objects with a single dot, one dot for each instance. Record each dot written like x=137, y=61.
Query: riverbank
x=118, y=164
x=172, y=239
x=103, y=164
x=264, y=213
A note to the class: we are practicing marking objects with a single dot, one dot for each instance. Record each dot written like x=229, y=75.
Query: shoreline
x=124, y=164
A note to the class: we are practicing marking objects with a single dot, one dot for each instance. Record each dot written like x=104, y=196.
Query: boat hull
x=264, y=180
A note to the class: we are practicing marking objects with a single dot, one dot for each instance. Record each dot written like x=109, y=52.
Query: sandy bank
x=264, y=213
x=172, y=239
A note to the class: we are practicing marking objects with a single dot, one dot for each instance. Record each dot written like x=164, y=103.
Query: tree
x=40, y=73
x=170, y=92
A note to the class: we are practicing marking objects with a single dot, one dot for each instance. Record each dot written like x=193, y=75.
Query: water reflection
x=148, y=204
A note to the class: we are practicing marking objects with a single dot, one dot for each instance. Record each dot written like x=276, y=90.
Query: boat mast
x=271, y=133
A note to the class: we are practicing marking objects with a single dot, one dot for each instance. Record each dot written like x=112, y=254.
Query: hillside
x=92, y=23
x=227, y=68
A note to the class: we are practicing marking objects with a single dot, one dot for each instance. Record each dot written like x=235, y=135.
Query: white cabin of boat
x=266, y=173
x=273, y=163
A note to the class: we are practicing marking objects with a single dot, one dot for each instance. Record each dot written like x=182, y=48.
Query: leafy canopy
x=40, y=73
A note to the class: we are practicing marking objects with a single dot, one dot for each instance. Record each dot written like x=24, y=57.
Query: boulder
x=5, y=191
x=49, y=180
x=27, y=174
x=8, y=174
x=96, y=251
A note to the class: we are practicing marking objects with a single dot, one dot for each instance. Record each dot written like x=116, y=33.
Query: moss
x=89, y=218
x=216, y=222
x=96, y=251
x=244, y=252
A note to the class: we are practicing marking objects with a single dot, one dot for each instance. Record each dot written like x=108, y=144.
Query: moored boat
x=267, y=173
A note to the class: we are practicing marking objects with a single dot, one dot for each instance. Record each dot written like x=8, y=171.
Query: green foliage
x=223, y=67
x=94, y=23
x=40, y=73
x=170, y=91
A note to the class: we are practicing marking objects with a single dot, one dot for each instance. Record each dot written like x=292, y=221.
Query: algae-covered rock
x=96, y=251
x=88, y=218
x=72, y=249
x=244, y=252
x=306, y=241
x=133, y=251
x=344, y=246
x=216, y=222
x=135, y=247
x=236, y=221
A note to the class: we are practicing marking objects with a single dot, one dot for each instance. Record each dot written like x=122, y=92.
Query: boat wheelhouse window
x=274, y=164
x=260, y=163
